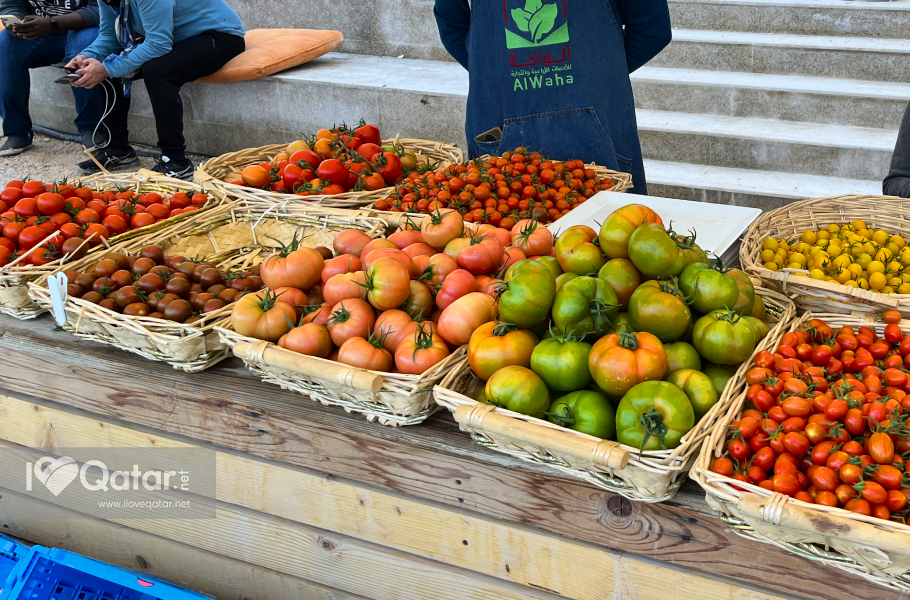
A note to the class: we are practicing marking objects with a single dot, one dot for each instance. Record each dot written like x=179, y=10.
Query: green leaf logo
x=537, y=18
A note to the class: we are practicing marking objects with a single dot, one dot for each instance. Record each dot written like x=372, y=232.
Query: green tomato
x=529, y=295
x=698, y=388
x=656, y=307
x=585, y=411
x=551, y=263
x=520, y=390
x=760, y=327
x=562, y=364
x=745, y=303
x=724, y=338
x=758, y=309
x=585, y=305
x=623, y=277
x=653, y=415
x=563, y=279
x=577, y=252
x=719, y=374
x=710, y=289
x=622, y=322
x=654, y=253
x=681, y=355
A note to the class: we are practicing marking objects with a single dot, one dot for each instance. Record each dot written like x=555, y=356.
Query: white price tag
x=56, y=284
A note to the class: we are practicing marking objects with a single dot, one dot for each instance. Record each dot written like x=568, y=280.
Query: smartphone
x=69, y=78
x=8, y=20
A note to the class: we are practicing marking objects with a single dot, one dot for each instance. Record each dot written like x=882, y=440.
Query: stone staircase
x=756, y=102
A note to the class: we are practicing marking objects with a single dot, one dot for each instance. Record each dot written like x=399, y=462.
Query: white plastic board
x=718, y=226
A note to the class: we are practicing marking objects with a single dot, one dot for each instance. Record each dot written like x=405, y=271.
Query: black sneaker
x=112, y=160
x=15, y=145
x=175, y=169
x=93, y=140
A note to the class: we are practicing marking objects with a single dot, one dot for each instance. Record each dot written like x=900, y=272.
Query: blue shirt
x=646, y=28
x=164, y=23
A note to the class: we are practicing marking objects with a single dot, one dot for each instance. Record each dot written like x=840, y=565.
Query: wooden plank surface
x=218, y=576
x=455, y=537
x=227, y=406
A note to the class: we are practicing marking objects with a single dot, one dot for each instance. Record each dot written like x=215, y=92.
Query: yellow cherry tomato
x=817, y=274
x=863, y=283
x=903, y=288
x=877, y=281
x=832, y=228
x=875, y=266
x=770, y=244
x=855, y=270
x=899, y=241
x=880, y=237
x=810, y=237
x=772, y=266
x=767, y=255
x=858, y=225
x=883, y=255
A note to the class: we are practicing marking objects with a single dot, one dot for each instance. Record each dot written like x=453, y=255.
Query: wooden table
x=316, y=503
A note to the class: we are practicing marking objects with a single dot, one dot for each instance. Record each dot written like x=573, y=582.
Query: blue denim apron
x=553, y=75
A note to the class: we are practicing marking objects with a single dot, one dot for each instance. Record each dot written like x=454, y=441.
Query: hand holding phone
x=69, y=78
x=10, y=20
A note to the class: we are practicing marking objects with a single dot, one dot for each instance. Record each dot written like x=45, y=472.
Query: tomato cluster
x=334, y=161
x=31, y=211
x=386, y=304
x=501, y=190
x=826, y=421
x=149, y=284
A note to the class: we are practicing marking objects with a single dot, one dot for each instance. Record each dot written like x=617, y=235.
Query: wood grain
x=205, y=572
x=229, y=407
x=455, y=537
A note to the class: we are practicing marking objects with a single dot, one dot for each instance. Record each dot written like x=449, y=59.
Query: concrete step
x=805, y=17
x=766, y=144
x=746, y=187
x=840, y=57
x=381, y=28
x=786, y=97
x=412, y=98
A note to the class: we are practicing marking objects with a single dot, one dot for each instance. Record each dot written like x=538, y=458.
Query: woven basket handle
x=483, y=417
x=326, y=370
x=779, y=511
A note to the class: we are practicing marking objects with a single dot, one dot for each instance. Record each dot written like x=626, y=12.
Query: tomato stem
x=653, y=422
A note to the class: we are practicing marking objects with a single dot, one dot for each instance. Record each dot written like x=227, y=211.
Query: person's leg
x=89, y=103
x=189, y=60
x=17, y=56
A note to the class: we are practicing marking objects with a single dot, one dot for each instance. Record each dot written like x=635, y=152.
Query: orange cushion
x=269, y=51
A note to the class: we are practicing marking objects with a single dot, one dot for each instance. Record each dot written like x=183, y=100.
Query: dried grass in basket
x=14, y=277
x=232, y=236
x=387, y=398
x=882, y=212
x=216, y=171
x=653, y=477
x=874, y=549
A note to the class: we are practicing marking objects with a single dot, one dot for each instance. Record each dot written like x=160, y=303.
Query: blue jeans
x=17, y=56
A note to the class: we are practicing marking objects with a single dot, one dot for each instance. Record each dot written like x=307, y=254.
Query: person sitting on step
x=47, y=32
x=168, y=43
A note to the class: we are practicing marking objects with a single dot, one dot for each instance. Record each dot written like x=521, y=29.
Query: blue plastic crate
x=54, y=574
x=11, y=552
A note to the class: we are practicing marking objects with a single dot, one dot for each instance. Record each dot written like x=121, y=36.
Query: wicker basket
x=871, y=548
x=654, y=477
x=232, y=236
x=14, y=277
x=387, y=398
x=788, y=222
x=216, y=171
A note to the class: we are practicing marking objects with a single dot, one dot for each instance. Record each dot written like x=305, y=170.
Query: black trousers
x=189, y=60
